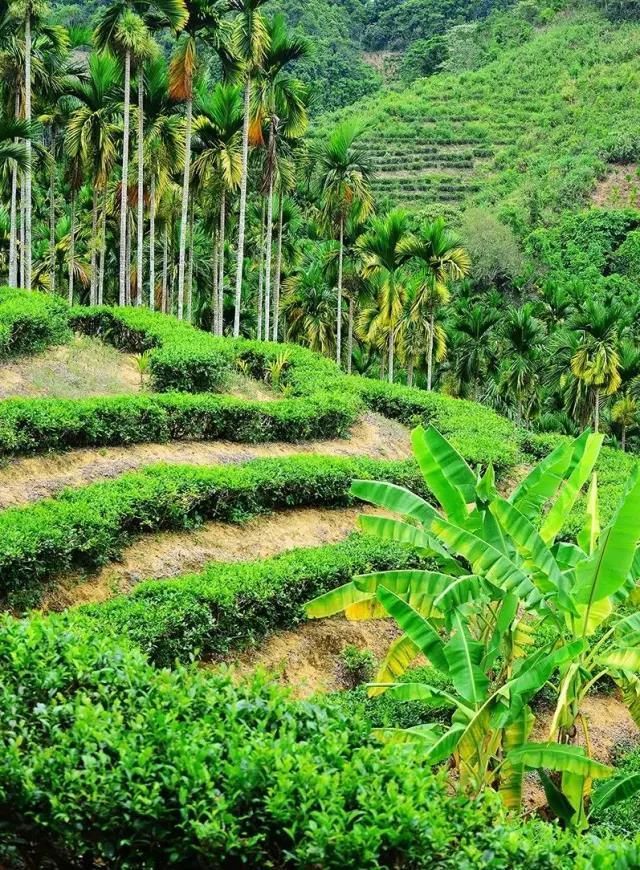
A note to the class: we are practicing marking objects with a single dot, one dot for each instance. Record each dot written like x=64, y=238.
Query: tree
x=625, y=414
x=383, y=252
x=521, y=346
x=343, y=177
x=309, y=307
x=250, y=42
x=442, y=260
x=596, y=361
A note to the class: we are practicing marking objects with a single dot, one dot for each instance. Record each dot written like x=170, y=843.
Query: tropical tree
x=473, y=336
x=309, y=306
x=343, y=177
x=250, y=41
x=521, y=346
x=383, y=253
x=596, y=361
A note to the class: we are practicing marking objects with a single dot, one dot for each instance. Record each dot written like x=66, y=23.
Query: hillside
x=529, y=133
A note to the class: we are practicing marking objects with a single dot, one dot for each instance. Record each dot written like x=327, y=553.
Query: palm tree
x=250, y=43
x=474, y=340
x=90, y=134
x=520, y=350
x=343, y=176
x=625, y=414
x=382, y=251
x=281, y=105
x=596, y=362
x=309, y=305
x=218, y=162
x=443, y=260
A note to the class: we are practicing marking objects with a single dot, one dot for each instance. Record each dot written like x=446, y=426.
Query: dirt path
x=307, y=659
x=169, y=554
x=33, y=478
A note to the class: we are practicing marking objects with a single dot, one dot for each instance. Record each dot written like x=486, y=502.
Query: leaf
x=558, y=803
x=416, y=627
x=514, y=735
x=615, y=790
x=628, y=629
x=560, y=757
x=538, y=557
x=567, y=555
x=428, y=734
x=403, y=581
x=334, y=601
x=542, y=482
x=362, y=611
x=627, y=659
x=588, y=537
x=416, y=692
x=394, y=498
x=447, y=474
x=586, y=451
x=464, y=656
x=400, y=655
x=607, y=569
x=590, y=618
x=487, y=561
x=386, y=529
x=460, y=590
x=486, y=488
x=445, y=745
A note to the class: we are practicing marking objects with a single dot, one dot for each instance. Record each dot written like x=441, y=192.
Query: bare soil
x=307, y=658
x=168, y=554
x=620, y=188
x=32, y=478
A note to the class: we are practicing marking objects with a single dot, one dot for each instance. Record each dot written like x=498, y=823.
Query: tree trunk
x=276, y=286
x=128, y=234
x=215, y=272
x=243, y=208
x=624, y=438
x=140, y=261
x=350, y=335
x=430, y=352
x=184, y=218
x=152, y=243
x=268, y=251
x=72, y=246
x=103, y=248
x=93, y=293
x=410, y=373
x=22, y=231
x=261, y=274
x=596, y=412
x=26, y=254
x=223, y=220
x=391, y=354
x=52, y=218
x=383, y=366
x=339, y=317
x=13, y=233
x=124, y=261
x=165, y=269
x=190, y=271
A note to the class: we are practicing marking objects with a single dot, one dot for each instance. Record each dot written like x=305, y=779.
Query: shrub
x=30, y=322
x=105, y=761
x=90, y=525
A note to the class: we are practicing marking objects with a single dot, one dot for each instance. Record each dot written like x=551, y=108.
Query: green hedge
x=106, y=761
x=90, y=525
x=30, y=322
x=233, y=604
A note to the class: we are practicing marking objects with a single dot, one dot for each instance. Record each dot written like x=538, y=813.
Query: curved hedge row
x=30, y=322
x=88, y=526
x=106, y=761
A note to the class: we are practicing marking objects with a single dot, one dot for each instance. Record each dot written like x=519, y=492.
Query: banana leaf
x=394, y=498
x=621, y=788
x=446, y=473
x=464, y=656
x=402, y=652
x=559, y=757
x=416, y=627
x=335, y=601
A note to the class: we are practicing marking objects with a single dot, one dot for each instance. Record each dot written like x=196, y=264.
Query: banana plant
x=499, y=573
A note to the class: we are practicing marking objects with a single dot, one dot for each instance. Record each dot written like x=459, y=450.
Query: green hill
x=529, y=133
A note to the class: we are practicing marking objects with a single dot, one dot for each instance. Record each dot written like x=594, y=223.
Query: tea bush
x=30, y=322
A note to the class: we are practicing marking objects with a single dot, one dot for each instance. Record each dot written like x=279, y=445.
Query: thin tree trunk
x=184, y=219
x=52, y=218
x=596, y=412
x=624, y=438
x=165, y=269
x=124, y=260
x=22, y=230
x=28, y=173
x=223, y=220
x=410, y=373
x=268, y=251
x=93, y=293
x=261, y=274
x=430, y=352
x=128, y=234
x=350, y=335
x=215, y=273
x=140, y=261
x=103, y=248
x=13, y=236
x=383, y=366
x=391, y=354
x=276, y=286
x=190, y=272
x=243, y=207
x=72, y=246
x=339, y=312
x=152, y=243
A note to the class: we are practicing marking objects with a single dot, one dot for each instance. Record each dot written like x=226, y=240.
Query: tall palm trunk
x=52, y=222
x=152, y=243
x=28, y=175
x=391, y=354
x=215, y=273
x=261, y=274
x=128, y=234
x=596, y=411
x=430, y=351
x=13, y=232
x=124, y=260
x=243, y=207
x=93, y=293
x=189, y=294
x=223, y=220
x=276, y=286
x=72, y=246
x=23, y=221
x=268, y=251
x=184, y=219
x=140, y=183
x=410, y=372
x=350, y=335
x=103, y=248
x=339, y=311
x=165, y=268
x=624, y=439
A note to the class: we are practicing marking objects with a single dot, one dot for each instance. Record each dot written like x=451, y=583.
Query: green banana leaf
x=446, y=473
x=425, y=734
x=542, y=482
x=615, y=790
x=557, y=801
x=464, y=656
x=460, y=590
x=628, y=630
x=416, y=627
x=416, y=692
x=403, y=581
x=608, y=567
x=588, y=537
x=560, y=757
x=515, y=735
x=627, y=659
x=394, y=498
x=402, y=652
x=335, y=601
x=403, y=533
